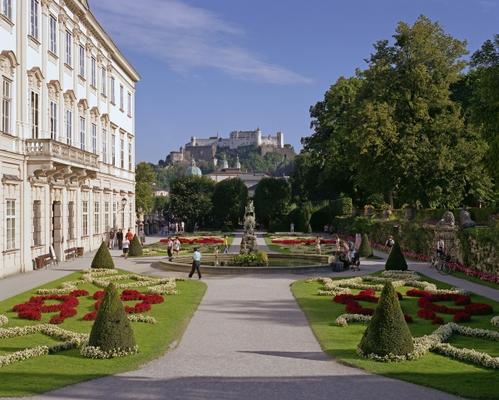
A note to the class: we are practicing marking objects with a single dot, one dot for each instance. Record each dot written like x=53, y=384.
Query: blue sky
x=213, y=66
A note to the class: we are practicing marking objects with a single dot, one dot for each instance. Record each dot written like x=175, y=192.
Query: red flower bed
x=99, y=295
x=478, y=309
x=354, y=307
x=426, y=314
x=437, y=321
x=79, y=293
x=90, y=316
x=461, y=316
x=138, y=308
x=146, y=300
x=35, y=307
x=352, y=302
x=198, y=240
x=417, y=293
x=297, y=241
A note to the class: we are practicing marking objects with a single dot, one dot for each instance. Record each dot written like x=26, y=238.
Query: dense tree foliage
x=145, y=178
x=272, y=197
x=398, y=129
x=191, y=200
x=229, y=199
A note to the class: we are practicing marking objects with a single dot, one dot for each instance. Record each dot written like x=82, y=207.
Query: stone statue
x=447, y=219
x=248, y=241
x=465, y=219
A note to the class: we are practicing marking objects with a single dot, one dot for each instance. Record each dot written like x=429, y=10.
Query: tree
x=272, y=196
x=135, y=247
x=102, y=258
x=229, y=199
x=111, y=329
x=191, y=200
x=387, y=332
x=365, y=249
x=396, y=259
x=145, y=178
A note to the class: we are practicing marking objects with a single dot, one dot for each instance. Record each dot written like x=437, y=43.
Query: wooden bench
x=71, y=253
x=44, y=261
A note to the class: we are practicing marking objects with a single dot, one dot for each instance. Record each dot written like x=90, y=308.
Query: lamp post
x=123, y=203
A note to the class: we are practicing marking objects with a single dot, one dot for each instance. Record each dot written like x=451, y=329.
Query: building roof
x=193, y=170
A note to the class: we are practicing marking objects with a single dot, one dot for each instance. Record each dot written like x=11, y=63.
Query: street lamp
x=123, y=203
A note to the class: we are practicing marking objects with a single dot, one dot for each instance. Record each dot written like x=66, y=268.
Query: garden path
x=248, y=340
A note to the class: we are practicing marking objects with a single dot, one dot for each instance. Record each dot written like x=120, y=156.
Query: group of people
x=173, y=227
x=120, y=240
x=173, y=246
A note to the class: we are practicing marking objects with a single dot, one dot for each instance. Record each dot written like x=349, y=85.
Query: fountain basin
x=278, y=263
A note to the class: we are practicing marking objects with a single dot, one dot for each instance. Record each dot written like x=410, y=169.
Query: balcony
x=52, y=159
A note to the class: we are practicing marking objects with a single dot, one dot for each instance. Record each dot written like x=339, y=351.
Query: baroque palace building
x=67, y=132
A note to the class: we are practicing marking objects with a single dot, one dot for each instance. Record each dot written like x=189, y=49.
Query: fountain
x=248, y=241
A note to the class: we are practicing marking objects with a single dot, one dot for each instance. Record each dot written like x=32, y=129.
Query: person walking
x=142, y=236
x=129, y=235
x=176, y=246
x=196, y=263
x=226, y=244
x=389, y=243
x=111, y=239
x=126, y=246
x=169, y=247
x=119, y=237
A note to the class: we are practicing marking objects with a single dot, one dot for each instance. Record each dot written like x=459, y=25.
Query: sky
x=209, y=67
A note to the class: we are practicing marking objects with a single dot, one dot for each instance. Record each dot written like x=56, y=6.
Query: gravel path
x=248, y=340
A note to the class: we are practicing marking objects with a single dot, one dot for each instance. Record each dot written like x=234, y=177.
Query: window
x=114, y=215
x=85, y=218
x=122, y=153
x=7, y=8
x=10, y=217
x=37, y=223
x=53, y=34
x=6, y=105
x=121, y=98
x=94, y=138
x=69, y=47
x=35, y=115
x=130, y=166
x=113, y=149
x=82, y=61
x=104, y=146
x=129, y=104
x=113, y=98
x=53, y=120
x=71, y=220
x=96, y=217
x=93, y=72
x=69, y=127
x=34, y=18
x=103, y=83
x=82, y=133
x=106, y=216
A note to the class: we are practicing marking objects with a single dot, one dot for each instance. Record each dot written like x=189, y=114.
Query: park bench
x=71, y=253
x=44, y=261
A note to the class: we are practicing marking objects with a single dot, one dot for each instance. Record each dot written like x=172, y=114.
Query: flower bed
x=293, y=241
x=208, y=240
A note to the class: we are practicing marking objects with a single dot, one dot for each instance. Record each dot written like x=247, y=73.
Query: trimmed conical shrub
x=112, y=329
x=396, y=259
x=102, y=258
x=387, y=332
x=365, y=249
x=135, y=247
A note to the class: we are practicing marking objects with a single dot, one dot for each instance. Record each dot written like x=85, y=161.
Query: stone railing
x=49, y=148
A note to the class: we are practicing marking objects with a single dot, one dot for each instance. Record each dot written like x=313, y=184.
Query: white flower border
x=344, y=319
x=436, y=342
x=495, y=321
x=142, y=318
x=96, y=352
x=70, y=340
x=4, y=320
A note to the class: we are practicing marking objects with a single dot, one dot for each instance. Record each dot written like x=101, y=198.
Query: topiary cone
x=102, y=258
x=365, y=249
x=387, y=332
x=111, y=329
x=135, y=247
x=396, y=260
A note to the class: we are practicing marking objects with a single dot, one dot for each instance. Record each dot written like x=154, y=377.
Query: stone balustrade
x=51, y=149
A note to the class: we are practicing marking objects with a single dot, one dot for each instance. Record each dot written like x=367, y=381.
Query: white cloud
x=187, y=37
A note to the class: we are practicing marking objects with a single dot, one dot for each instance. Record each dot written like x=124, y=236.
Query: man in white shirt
x=196, y=263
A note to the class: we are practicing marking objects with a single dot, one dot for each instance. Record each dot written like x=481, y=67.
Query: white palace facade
x=67, y=132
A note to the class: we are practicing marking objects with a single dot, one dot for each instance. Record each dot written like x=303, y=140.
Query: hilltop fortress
x=205, y=149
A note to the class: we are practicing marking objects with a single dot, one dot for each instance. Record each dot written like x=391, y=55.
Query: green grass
x=41, y=374
x=432, y=370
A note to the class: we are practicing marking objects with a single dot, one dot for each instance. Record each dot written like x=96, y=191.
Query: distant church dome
x=225, y=164
x=238, y=163
x=193, y=170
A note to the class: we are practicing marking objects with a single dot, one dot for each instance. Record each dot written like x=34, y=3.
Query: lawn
x=38, y=375
x=431, y=370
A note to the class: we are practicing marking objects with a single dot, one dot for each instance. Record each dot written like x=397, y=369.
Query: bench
x=71, y=253
x=44, y=260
